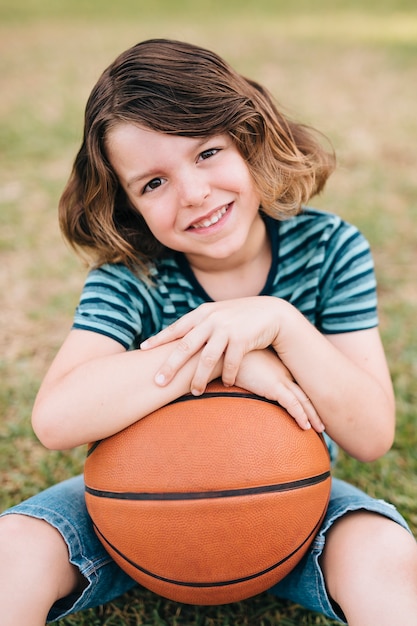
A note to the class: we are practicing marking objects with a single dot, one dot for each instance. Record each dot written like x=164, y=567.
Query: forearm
x=358, y=412
x=104, y=395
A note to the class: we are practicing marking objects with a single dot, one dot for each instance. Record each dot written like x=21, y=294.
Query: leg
x=362, y=562
x=51, y=560
x=34, y=570
x=370, y=567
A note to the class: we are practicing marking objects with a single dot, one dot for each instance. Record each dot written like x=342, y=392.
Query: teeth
x=212, y=220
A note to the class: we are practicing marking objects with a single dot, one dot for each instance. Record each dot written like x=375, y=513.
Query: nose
x=192, y=187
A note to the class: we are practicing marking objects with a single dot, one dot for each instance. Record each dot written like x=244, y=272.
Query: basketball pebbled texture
x=211, y=499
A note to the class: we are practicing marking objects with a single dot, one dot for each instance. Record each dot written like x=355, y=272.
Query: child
x=189, y=194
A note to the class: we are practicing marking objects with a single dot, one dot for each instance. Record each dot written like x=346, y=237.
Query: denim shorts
x=63, y=506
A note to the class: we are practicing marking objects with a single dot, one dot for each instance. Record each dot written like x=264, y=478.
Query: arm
x=345, y=376
x=94, y=388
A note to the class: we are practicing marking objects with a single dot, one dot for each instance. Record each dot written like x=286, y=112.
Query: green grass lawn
x=347, y=67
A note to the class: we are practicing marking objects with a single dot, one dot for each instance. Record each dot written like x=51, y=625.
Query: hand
x=228, y=329
x=263, y=373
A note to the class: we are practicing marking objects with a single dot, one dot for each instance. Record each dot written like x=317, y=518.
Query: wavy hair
x=181, y=89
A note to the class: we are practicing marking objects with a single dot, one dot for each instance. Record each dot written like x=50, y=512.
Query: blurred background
x=348, y=68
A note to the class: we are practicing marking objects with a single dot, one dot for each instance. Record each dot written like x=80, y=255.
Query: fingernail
x=144, y=345
x=196, y=392
x=160, y=379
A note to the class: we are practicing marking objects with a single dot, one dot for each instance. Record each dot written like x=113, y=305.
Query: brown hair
x=181, y=89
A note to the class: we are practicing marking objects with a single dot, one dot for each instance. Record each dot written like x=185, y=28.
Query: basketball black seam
x=223, y=394
x=222, y=583
x=93, y=447
x=203, y=495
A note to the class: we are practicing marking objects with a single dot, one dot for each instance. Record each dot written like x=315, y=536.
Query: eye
x=152, y=185
x=206, y=154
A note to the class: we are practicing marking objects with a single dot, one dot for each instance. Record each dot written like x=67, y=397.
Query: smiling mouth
x=213, y=219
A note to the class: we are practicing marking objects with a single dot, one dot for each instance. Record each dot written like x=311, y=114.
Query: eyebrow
x=148, y=175
x=145, y=176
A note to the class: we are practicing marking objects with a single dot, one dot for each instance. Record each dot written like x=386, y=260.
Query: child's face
x=197, y=195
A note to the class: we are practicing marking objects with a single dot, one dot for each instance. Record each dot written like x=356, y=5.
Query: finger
x=312, y=415
x=203, y=374
x=232, y=361
x=210, y=356
x=289, y=401
x=183, y=352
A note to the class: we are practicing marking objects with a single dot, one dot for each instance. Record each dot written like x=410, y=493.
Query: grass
x=348, y=68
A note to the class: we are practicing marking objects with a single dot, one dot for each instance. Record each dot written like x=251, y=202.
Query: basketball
x=211, y=499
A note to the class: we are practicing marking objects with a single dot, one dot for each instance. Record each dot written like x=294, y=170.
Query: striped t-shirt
x=320, y=264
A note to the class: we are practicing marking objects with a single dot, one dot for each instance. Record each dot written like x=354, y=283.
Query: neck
x=239, y=276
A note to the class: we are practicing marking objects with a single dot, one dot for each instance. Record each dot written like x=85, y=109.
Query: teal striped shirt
x=320, y=264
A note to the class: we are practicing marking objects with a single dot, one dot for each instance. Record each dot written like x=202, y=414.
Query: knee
x=23, y=538
x=399, y=552
x=365, y=548
x=394, y=549
x=14, y=530
x=33, y=550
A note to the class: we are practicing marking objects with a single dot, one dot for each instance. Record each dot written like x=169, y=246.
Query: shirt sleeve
x=114, y=303
x=348, y=284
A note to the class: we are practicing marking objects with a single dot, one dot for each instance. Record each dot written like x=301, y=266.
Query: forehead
x=132, y=137
x=126, y=132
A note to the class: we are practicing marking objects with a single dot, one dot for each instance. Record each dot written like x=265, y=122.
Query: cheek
x=150, y=211
x=159, y=221
x=239, y=175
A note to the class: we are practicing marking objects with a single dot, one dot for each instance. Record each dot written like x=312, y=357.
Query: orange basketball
x=210, y=499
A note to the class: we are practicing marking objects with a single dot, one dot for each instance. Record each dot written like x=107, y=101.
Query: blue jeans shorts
x=64, y=508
